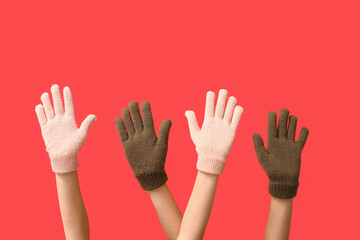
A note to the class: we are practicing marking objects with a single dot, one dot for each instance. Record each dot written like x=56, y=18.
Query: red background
x=303, y=55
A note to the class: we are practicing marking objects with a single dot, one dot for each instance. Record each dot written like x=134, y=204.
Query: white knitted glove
x=213, y=141
x=62, y=138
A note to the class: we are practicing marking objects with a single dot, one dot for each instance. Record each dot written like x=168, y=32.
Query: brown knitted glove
x=281, y=160
x=144, y=151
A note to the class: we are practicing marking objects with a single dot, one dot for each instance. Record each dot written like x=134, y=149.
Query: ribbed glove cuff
x=153, y=180
x=64, y=164
x=283, y=189
x=210, y=164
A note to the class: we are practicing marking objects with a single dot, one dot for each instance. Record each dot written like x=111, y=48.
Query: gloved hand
x=281, y=160
x=213, y=141
x=62, y=138
x=145, y=152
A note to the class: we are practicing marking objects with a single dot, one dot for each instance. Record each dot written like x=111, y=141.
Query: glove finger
x=283, y=121
x=303, y=136
x=68, y=100
x=147, y=116
x=58, y=104
x=135, y=115
x=230, y=109
x=272, y=131
x=220, y=105
x=259, y=146
x=121, y=129
x=193, y=124
x=39, y=109
x=209, y=107
x=47, y=106
x=292, y=128
x=128, y=122
x=236, y=117
x=85, y=125
x=164, y=132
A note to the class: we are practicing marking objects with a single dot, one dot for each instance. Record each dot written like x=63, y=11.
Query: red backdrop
x=303, y=55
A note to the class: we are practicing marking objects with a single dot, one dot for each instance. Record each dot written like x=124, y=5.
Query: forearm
x=168, y=212
x=73, y=212
x=198, y=210
x=278, y=225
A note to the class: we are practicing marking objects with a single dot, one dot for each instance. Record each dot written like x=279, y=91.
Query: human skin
x=281, y=161
x=168, y=212
x=193, y=224
x=199, y=207
x=63, y=140
x=72, y=208
x=213, y=142
x=279, y=219
x=146, y=154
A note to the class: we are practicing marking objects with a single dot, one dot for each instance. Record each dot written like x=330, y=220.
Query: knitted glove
x=145, y=152
x=281, y=160
x=62, y=138
x=213, y=141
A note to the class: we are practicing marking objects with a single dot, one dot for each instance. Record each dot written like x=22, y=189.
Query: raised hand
x=281, y=160
x=213, y=141
x=145, y=152
x=63, y=139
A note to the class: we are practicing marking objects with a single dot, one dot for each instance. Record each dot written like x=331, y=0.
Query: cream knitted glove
x=213, y=141
x=62, y=138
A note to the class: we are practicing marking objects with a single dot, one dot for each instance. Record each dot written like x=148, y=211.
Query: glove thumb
x=193, y=124
x=85, y=125
x=259, y=146
x=164, y=132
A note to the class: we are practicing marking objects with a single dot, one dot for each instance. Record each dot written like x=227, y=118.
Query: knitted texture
x=62, y=138
x=281, y=160
x=145, y=152
x=213, y=141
